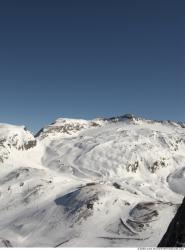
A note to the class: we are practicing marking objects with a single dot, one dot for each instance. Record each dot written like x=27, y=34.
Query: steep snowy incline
x=104, y=182
x=14, y=137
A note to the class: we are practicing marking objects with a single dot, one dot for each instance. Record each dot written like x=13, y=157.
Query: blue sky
x=90, y=58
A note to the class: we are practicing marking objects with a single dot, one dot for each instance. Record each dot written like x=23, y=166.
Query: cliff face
x=175, y=234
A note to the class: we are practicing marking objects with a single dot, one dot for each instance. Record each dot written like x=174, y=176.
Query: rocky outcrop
x=175, y=234
x=29, y=144
x=63, y=126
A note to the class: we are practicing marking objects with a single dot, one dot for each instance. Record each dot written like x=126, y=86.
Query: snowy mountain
x=14, y=137
x=101, y=182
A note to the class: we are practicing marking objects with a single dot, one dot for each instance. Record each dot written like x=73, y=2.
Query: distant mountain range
x=103, y=182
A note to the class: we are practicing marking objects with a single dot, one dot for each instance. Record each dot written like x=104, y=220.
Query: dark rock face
x=116, y=185
x=175, y=234
x=65, y=128
x=30, y=144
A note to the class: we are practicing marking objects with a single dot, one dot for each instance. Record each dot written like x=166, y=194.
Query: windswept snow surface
x=104, y=182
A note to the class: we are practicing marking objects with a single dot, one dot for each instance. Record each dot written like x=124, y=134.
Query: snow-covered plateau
x=90, y=183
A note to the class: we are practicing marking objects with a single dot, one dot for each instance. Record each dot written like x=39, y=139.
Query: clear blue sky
x=89, y=58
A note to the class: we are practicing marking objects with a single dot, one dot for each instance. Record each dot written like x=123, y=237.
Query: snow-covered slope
x=104, y=182
x=14, y=137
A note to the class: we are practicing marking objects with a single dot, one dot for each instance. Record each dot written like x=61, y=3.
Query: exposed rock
x=142, y=215
x=90, y=205
x=133, y=167
x=156, y=165
x=5, y=243
x=175, y=234
x=116, y=185
x=91, y=184
x=29, y=144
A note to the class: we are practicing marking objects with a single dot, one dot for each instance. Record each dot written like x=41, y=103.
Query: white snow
x=105, y=182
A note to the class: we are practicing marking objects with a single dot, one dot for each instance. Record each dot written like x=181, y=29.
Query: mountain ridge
x=120, y=118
